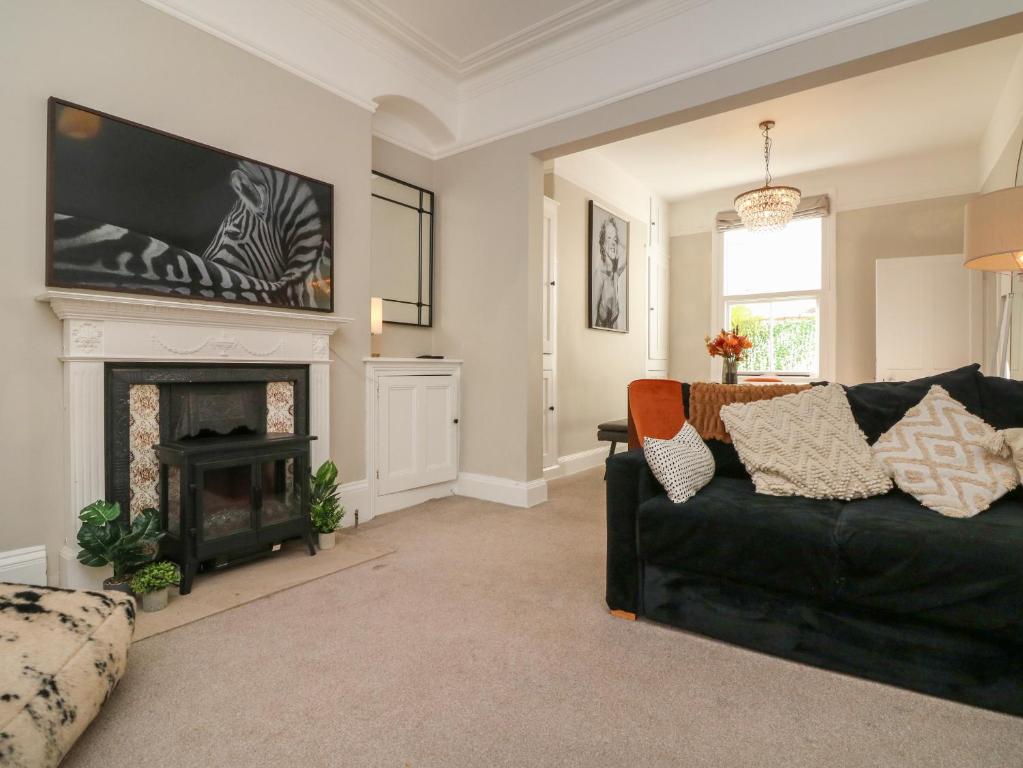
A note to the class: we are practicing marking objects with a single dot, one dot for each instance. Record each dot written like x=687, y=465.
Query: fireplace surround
x=100, y=330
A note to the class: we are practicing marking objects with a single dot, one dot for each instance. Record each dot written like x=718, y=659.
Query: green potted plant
x=152, y=582
x=325, y=510
x=105, y=540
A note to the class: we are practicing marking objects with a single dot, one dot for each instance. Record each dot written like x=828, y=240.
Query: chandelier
x=767, y=207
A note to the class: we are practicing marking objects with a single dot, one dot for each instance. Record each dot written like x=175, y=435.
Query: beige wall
x=123, y=57
x=593, y=366
x=691, y=300
x=487, y=314
x=404, y=340
x=918, y=228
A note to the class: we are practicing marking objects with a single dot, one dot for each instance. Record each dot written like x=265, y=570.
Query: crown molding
x=582, y=13
x=529, y=79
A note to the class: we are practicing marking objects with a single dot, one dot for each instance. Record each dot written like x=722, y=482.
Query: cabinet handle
x=550, y=408
x=456, y=421
x=552, y=282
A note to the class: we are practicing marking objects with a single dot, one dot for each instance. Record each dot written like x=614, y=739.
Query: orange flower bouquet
x=729, y=345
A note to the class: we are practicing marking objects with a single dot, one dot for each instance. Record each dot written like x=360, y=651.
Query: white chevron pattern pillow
x=939, y=453
x=806, y=444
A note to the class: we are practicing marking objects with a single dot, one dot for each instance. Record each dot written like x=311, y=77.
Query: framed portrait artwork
x=137, y=210
x=609, y=270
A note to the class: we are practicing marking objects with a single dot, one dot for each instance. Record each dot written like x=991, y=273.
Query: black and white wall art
x=609, y=270
x=137, y=210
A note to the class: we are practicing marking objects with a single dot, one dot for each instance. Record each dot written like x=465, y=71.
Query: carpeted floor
x=484, y=641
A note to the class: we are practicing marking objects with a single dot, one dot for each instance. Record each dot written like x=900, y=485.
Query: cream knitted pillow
x=941, y=454
x=807, y=444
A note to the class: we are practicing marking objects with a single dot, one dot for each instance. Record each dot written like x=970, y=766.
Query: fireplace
x=221, y=450
x=122, y=356
x=230, y=497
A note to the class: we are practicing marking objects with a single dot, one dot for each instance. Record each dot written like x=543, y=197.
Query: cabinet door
x=439, y=429
x=550, y=420
x=550, y=270
x=418, y=432
x=657, y=316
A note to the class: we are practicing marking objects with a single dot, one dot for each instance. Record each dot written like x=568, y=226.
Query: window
x=774, y=291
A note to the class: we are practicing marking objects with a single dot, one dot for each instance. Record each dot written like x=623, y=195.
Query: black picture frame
x=608, y=304
x=128, y=208
x=425, y=208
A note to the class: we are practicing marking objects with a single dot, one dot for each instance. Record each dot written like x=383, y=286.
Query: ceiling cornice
x=527, y=80
x=579, y=15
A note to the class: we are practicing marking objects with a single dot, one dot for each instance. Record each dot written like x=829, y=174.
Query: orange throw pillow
x=705, y=401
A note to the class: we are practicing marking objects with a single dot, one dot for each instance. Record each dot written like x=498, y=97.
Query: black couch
x=882, y=588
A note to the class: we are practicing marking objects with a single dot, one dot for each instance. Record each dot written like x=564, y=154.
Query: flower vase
x=730, y=371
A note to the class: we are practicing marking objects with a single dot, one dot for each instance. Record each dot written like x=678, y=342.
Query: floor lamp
x=993, y=242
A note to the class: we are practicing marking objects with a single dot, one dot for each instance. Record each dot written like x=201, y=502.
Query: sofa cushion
x=878, y=406
x=901, y=557
x=726, y=460
x=1001, y=401
x=940, y=454
x=806, y=444
x=682, y=465
x=727, y=530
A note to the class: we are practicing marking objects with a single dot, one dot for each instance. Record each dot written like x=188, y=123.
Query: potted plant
x=325, y=510
x=730, y=347
x=152, y=582
x=105, y=540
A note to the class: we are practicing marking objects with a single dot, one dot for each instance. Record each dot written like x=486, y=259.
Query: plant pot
x=730, y=371
x=154, y=601
x=118, y=585
x=327, y=540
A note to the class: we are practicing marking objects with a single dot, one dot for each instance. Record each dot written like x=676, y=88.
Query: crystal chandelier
x=767, y=207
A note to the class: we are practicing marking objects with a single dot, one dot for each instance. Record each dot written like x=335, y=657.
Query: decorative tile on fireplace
x=143, y=434
x=280, y=406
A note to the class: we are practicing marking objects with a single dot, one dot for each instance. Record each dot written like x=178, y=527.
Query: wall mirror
x=402, y=250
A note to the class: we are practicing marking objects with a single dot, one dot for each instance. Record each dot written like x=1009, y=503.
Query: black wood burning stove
x=231, y=496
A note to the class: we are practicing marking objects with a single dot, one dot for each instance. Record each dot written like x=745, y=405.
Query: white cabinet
x=550, y=422
x=412, y=427
x=550, y=279
x=549, y=395
x=657, y=315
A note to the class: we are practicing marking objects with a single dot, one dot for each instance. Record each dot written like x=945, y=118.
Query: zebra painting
x=233, y=229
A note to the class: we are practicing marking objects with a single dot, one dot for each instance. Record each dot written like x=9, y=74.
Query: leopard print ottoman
x=62, y=651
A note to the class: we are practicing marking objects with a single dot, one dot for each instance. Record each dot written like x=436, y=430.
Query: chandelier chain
x=767, y=156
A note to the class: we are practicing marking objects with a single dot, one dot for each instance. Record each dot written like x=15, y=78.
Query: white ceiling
x=466, y=35
x=942, y=102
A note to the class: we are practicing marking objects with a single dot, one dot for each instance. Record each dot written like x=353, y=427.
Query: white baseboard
x=355, y=498
x=392, y=502
x=514, y=493
x=24, y=566
x=577, y=462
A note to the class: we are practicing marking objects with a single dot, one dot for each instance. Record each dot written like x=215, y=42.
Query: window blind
x=810, y=207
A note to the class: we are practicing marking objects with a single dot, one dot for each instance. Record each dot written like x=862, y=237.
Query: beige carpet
x=222, y=590
x=484, y=641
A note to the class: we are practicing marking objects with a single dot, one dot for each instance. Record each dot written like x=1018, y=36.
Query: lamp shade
x=376, y=316
x=993, y=231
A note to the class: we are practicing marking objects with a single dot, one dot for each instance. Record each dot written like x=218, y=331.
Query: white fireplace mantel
x=98, y=328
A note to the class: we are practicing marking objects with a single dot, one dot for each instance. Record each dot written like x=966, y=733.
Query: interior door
x=928, y=316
